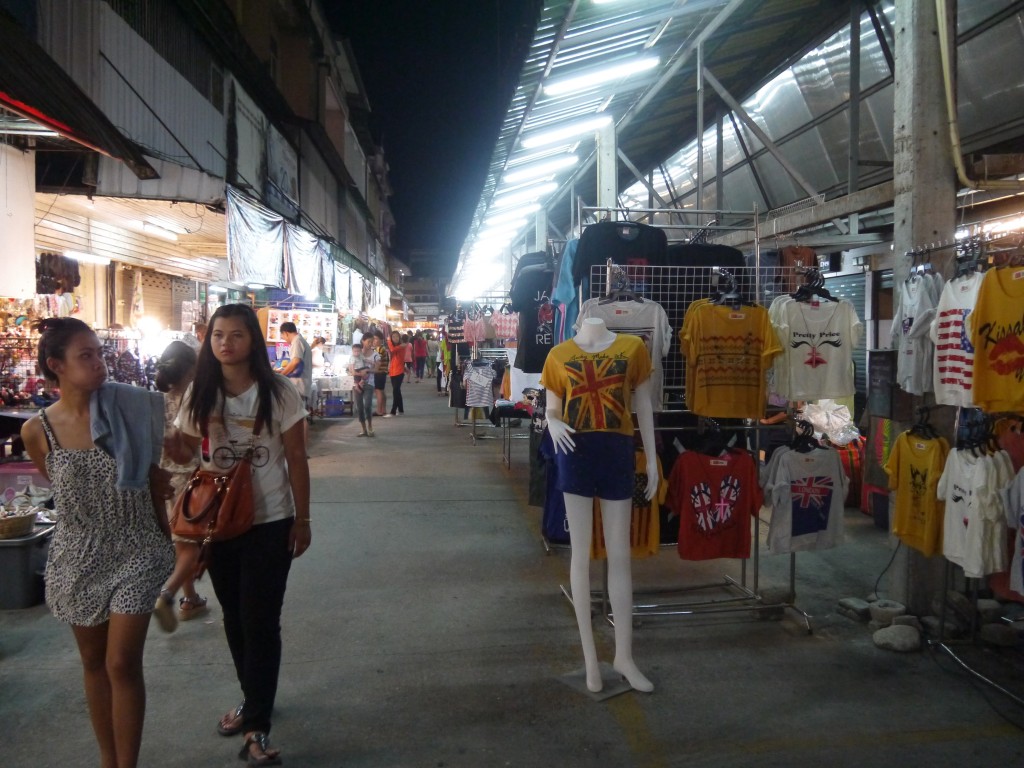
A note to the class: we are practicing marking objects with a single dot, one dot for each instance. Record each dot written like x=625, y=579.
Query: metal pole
x=719, y=162
x=700, y=130
x=853, y=173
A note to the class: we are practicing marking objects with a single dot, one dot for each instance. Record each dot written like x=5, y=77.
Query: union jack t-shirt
x=596, y=387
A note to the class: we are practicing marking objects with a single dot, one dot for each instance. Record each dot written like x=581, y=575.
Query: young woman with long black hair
x=111, y=549
x=234, y=391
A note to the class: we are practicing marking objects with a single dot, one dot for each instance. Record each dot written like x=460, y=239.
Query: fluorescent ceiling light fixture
x=504, y=226
x=166, y=223
x=542, y=168
x=568, y=131
x=164, y=234
x=528, y=195
x=216, y=289
x=87, y=258
x=584, y=80
x=515, y=213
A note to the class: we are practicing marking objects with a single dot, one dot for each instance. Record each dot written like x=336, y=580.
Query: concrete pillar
x=540, y=230
x=925, y=212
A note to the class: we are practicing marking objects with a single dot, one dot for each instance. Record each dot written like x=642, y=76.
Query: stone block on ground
x=907, y=620
x=884, y=611
x=902, y=639
x=859, y=608
x=874, y=626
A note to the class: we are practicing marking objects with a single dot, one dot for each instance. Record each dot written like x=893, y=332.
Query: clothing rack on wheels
x=490, y=355
x=675, y=288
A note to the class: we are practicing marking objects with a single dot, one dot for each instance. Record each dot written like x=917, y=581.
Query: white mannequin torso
x=594, y=336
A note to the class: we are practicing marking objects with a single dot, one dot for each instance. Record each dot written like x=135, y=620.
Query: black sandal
x=234, y=717
x=267, y=756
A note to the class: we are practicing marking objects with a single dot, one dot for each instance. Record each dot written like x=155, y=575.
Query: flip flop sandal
x=231, y=723
x=268, y=756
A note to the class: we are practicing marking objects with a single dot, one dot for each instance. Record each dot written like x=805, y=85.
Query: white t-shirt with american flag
x=954, y=353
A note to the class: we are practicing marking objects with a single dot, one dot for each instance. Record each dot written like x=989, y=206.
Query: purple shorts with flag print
x=601, y=466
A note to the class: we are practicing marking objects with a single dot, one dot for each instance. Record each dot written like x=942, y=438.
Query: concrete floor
x=425, y=628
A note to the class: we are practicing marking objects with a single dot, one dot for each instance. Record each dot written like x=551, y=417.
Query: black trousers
x=396, y=394
x=249, y=576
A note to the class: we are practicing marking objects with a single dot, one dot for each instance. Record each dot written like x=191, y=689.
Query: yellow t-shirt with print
x=997, y=335
x=596, y=387
x=728, y=352
x=914, y=467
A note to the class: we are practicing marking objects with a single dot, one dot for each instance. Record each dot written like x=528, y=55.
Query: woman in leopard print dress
x=110, y=551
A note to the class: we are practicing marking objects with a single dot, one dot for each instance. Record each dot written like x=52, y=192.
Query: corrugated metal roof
x=655, y=112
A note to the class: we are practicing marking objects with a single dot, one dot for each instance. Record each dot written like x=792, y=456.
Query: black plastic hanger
x=922, y=427
x=803, y=437
x=814, y=286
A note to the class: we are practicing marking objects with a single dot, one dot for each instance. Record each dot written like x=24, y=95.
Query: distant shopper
x=174, y=373
x=111, y=547
x=409, y=359
x=361, y=367
x=299, y=367
x=397, y=348
x=432, y=350
x=419, y=353
x=234, y=390
x=380, y=374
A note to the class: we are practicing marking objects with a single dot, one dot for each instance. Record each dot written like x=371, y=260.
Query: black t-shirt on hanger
x=626, y=243
x=531, y=298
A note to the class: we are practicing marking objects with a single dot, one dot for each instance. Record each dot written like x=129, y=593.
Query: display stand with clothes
x=675, y=286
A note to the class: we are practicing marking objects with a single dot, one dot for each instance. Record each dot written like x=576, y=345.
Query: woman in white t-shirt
x=234, y=386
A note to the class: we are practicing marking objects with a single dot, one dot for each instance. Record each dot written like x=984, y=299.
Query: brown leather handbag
x=217, y=507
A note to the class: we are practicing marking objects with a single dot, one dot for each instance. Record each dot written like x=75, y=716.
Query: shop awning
x=33, y=85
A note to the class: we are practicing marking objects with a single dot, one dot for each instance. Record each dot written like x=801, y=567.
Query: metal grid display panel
x=675, y=288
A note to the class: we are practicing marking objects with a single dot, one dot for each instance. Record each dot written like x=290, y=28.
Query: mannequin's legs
x=616, y=519
x=616, y=516
x=579, y=511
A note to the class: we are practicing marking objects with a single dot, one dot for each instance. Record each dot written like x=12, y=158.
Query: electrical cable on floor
x=974, y=677
x=891, y=559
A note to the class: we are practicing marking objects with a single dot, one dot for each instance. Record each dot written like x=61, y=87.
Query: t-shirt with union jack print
x=715, y=497
x=596, y=387
x=806, y=493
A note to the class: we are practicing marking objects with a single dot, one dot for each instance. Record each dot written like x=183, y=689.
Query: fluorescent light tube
x=503, y=226
x=529, y=195
x=540, y=169
x=568, y=131
x=87, y=258
x=584, y=80
x=515, y=213
x=157, y=231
